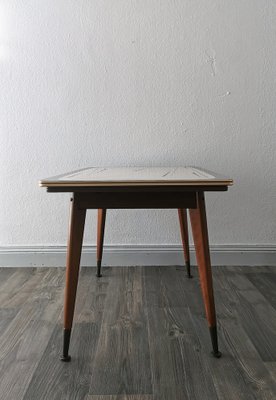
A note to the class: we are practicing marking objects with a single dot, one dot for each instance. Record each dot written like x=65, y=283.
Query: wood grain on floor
x=140, y=333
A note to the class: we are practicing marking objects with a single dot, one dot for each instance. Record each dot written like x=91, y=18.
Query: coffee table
x=102, y=188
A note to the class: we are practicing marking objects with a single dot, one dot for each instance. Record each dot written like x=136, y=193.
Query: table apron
x=117, y=200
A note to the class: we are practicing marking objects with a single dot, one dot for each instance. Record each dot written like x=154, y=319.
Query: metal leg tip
x=188, y=268
x=66, y=341
x=65, y=358
x=99, y=265
x=217, y=354
x=214, y=337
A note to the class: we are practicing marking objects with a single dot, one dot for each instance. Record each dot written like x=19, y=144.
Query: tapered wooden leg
x=77, y=221
x=200, y=234
x=100, y=239
x=182, y=214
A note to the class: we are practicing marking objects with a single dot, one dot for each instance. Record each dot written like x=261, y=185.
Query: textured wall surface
x=156, y=83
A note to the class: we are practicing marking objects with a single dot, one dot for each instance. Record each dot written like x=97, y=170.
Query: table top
x=137, y=176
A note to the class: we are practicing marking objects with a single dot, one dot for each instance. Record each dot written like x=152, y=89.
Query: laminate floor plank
x=6, y=317
x=72, y=380
x=13, y=284
x=245, y=269
x=226, y=300
x=226, y=376
x=248, y=360
x=160, y=293
x=67, y=380
x=120, y=397
x=139, y=333
x=266, y=284
x=271, y=367
x=176, y=357
x=5, y=273
x=91, y=295
x=169, y=287
x=23, y=342
x=121, y=364
x=256, y=315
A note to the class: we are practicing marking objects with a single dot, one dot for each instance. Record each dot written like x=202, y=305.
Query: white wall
x=111, y=83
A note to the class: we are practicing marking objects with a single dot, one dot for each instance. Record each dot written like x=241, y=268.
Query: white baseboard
x=124, y=255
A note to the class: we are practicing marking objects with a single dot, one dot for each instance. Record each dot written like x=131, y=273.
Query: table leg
x=200, y=234
x=77, y=221
x=182, y=214
x=100, y=239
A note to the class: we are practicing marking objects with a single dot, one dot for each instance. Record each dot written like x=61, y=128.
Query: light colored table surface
x=135, y=176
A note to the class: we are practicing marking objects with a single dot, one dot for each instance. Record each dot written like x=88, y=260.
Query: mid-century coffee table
x=100, y=188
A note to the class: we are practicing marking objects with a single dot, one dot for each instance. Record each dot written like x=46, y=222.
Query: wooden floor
x=139, y=334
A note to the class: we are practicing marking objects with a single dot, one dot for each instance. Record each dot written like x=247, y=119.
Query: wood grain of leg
x=72, y=271
x=200, y=234
x=100, y=239
x=183, y=221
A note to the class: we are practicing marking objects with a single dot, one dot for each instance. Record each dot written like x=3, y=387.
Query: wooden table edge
x=44, y=183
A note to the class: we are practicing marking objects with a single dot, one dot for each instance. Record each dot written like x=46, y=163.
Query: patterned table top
x=137, y=176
